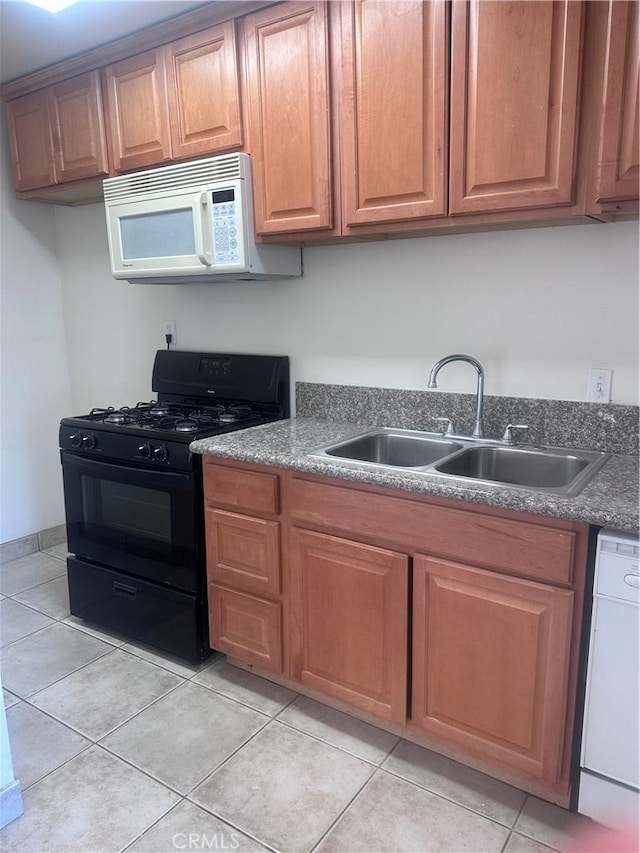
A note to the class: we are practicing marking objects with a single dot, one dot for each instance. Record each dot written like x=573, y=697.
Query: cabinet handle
x=125, y=591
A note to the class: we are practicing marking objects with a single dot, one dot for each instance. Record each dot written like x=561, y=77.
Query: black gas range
x=133, y=494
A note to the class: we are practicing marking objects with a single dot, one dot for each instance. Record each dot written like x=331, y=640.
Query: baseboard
x=11, y=805
x=17, y=548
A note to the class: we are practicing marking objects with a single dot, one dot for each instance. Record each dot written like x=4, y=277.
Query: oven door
x=144, y=522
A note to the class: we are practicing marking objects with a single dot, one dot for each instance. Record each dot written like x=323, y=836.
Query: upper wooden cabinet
x=393, y=110
x=137, y=110
x=58, y=133
x=618, y=166
x=514, y=101
x=289, y=111
x=204, y=92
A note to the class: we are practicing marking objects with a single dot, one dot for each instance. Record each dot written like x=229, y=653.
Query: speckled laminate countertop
x=610, y=499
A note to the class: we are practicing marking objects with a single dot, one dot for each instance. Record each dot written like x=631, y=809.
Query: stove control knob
x=75, y=439
x=145, y=450
x=89, y=441
x=161, y=453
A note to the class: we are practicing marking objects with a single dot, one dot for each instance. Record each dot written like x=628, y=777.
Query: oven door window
x=140, y=521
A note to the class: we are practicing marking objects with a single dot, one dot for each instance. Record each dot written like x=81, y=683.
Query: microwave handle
x=201, y=205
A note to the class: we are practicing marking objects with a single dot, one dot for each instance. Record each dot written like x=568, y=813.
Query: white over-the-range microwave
x=190, y=222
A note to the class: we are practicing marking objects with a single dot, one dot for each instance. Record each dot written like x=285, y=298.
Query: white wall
x=538, y=307
x=34, y=386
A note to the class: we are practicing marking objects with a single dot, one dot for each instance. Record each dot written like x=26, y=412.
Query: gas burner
x=118, y=418
x=227, y=417
x=160, y=411
x=187, y=425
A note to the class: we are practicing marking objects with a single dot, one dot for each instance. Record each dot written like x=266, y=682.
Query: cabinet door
x=243, y=552
x=246, y=627
x=514, y=97
x=204, y=92
x=349, y=610
x=138, y=111
x=490, y=664
x=78, y=128
x=393, y=112
x=31, y=140
x=289, y=114
x=619, y=172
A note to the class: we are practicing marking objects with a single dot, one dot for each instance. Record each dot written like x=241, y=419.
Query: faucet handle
x=508, y=433
x=448, y=425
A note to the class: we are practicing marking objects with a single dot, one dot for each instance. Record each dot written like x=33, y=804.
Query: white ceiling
x=31, y=38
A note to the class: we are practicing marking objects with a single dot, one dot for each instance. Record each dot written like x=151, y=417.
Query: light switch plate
x=599, y=385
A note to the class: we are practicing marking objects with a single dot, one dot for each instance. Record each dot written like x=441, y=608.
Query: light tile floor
x=120, y=748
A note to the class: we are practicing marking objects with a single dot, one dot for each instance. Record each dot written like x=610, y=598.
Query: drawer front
x=245, y=627
x=243, y=552
x=239, y=489
x=516, y=547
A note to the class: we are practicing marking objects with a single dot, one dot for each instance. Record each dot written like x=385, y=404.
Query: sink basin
x=395, y=448
x=552, y=470
x=556, y=471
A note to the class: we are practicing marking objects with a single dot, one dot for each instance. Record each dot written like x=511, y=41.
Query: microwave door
x=156, y=237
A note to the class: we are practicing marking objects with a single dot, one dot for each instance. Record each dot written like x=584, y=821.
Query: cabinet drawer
x=246, y=627
x=502, y=544
x=239, y=489
x=243, y=552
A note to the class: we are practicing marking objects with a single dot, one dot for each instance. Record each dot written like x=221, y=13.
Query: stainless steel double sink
x=554, y=470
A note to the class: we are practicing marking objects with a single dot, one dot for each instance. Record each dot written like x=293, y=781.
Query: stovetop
x=182, y=421
x=199, y=395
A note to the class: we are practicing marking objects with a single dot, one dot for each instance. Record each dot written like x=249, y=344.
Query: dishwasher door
x=610, y=775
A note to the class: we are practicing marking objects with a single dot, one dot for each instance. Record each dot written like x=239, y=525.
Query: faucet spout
x=478, y=430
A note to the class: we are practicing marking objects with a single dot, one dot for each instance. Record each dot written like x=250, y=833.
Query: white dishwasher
x=610, y=757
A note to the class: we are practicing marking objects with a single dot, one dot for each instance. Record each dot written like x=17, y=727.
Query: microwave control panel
x=227, y=236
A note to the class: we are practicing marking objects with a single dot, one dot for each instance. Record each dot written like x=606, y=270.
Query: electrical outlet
x=599, y=385
x=170, y=329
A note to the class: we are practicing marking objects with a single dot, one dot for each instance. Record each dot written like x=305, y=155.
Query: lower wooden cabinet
x=246, y=627
x=490, y=664
x=349, y=608
x=456, y=625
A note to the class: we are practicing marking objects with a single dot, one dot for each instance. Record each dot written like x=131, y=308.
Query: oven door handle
x=153, y=479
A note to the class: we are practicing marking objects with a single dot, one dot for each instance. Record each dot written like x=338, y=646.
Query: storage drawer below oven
x=165, y=618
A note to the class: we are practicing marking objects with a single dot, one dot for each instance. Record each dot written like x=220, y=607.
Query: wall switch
x=170, y=329
x=599, y=385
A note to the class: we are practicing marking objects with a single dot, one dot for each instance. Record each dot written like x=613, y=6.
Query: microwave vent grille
x=197, y=173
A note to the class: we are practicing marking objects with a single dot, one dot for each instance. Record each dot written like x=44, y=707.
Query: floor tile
x=51, y=598
x=9, y=698
x=188, y=827
x=27, y=572
x=521, y=844
x=106, y=693
x=39, y=744
x=245, y=687
x=456, y=782
x=205, y=729
x=167, y=661
x=341, y=730
x=18, y=621
x=284, y=787
x=46, y=656
x=96, y=631
x=59, y=551
x=550, y=824
x=393, y=815
x=94, y=802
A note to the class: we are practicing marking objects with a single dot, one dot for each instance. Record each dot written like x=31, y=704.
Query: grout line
x=230, y=823
x=343, y=812
x=151, y=825
x=329, y=743
x=448, y=799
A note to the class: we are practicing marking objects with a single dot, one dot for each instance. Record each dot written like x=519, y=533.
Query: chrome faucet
x=478, y=431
